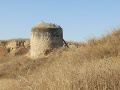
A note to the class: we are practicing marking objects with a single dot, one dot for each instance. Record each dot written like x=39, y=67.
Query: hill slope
x=94, y=65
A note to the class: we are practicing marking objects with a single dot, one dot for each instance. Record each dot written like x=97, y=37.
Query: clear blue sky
x=78, y=18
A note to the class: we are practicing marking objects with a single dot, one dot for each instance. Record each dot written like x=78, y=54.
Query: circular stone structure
x=44, y=38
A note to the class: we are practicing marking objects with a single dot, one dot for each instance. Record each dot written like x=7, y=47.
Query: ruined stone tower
x=45, y=37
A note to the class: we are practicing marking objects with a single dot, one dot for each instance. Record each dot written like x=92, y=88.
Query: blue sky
x=79, y=19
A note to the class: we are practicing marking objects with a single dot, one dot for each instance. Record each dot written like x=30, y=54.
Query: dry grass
x=94, y=65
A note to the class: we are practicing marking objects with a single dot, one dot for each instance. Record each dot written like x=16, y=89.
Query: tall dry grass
x=94, y=65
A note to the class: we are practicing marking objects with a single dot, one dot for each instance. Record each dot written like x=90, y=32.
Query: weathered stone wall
x=22, y=46
x=45, y=37
x=14, y=47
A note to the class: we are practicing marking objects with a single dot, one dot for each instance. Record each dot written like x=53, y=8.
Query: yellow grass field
x=94, y=65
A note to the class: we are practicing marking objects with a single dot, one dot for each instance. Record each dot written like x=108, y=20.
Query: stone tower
x=45, y=37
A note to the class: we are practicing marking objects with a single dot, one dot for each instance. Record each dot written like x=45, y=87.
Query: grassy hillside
x=94, y=65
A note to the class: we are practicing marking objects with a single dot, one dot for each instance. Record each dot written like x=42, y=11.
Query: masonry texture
x=17, y=47
x=45, y=37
